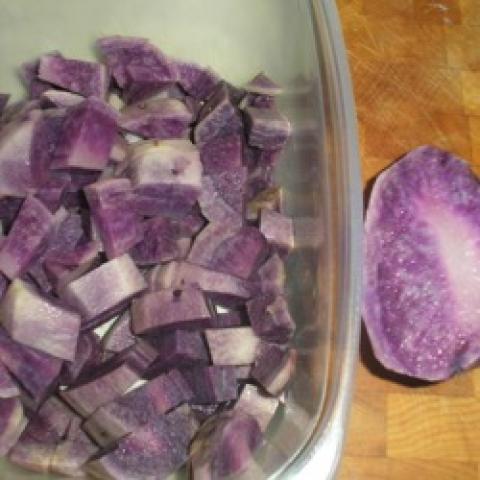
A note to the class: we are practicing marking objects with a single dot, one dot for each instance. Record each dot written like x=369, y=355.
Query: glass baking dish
x=299, y=44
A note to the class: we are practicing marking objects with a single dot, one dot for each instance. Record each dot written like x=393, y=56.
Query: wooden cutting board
x=416, y=72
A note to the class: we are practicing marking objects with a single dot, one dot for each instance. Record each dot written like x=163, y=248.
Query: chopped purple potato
x=53, y=191
x=61, y=99
x=136, y=409
x=225, y=445
x=12, y=423
x=105, y=290
x=274, y=367
x=73, y=452
x=198, y=82
x=169, y=308
x=278, y=230
x=159, y=118
x=38, y=322
x=268, y=129
x=77, y=76
x=211, y=384
x=214, y=116
x=8, y=388
x=88, y=134
x=140, y=356
x=119, y=336
x=87, y=397
x=29, y=76
x=232, y=346
x=112, y=208
x=56, y=415
x=222, y=154
x=270, y=318
x=259, y=406
x=421, y=251
x=180, y=348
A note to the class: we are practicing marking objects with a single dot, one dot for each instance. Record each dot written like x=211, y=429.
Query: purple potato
x=38, y=322
x=119, y=336
x=101, y=293
x=222, y=154
x=29, y=76
x=88, y=134
x=259, y=406
x=53, y=191
x=26, y=239
x=232, y=346
x=77, y=76
x=169, y=308
x=263, y=85
x=267, y=129
x=198, y=82
x=56, y=416
x=112, y=208
x=278, y=230
x=12, y=423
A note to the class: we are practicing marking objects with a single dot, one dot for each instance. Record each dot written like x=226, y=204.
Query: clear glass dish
x=299, y=44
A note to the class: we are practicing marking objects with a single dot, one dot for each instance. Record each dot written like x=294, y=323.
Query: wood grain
x=416, y=72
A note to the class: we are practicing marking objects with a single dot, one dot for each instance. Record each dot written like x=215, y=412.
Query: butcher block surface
x=416, y=73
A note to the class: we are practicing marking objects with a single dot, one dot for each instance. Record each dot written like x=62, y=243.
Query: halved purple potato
x=225, y=445
x=211, y=384
x=214, y=116
x=167, y=176
x=158, y=118
x=152, y=452
x=278, y=230
x=274, y=367
x=102, y=292
x=198, y=82
x=267, y=129
x=270, y=199
x=88, y=355
x=26, y=238
x=87, y=397
x=169, y=308
x=161, y=242
x=77, y=76
x=62, y=99
x=272, y=276
x=73, y=452
x=258, y=405
x=421, y=252
x=180, y=348
x=137, y=408
x=222, y=154
x=119, y=336
x=12, y=423
x=8, y=388
x=263, y=85
x=232, y=346
x=38, y=322
x=88, y=134
x=37, y=372
x=113, y=211
x=270, y=318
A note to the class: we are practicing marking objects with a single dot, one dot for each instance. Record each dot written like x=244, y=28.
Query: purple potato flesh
x=258, y=405
x=86, y=398
x=134, y=410
x=37, y=372
x=169, y=308
x=8, y=388
x=267, y=129
x=214, y=116
x=198, y=82
x=38, y=322
x=278, y=230
x=270, y=318
x=222, y=154
x=152, y=452
x=12, y=423
x=16, y=177
x=159, y=118
x=211, y=384
x=103, y=291
x=179, y=348
x=88, y=134
x=59, y=98
x=232, y=346
x=112, y=208
x=73, y=452
x=119, y=337
x=274, y=367
x=225, y=445
x=421, y=250
x=86, y=78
